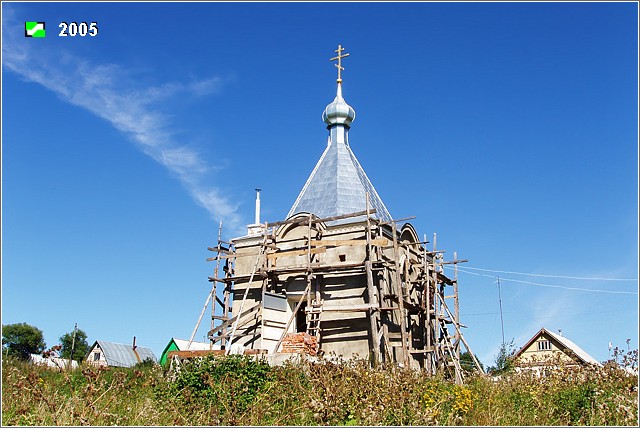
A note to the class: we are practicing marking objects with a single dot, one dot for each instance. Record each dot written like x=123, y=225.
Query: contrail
x=102, y=89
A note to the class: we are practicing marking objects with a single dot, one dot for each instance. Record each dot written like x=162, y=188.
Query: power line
x=481, y=314
x=553, y=276
x=572, y=288
x=550, y=285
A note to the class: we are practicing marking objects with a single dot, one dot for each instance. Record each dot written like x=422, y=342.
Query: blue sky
x=509, y=129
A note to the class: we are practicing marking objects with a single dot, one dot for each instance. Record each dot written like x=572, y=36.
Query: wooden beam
x=293, y=315
x=445, y=279
x=349, y=308
x=374, y=316
x=348, y=242
x=212, y=278
x=320, y=220
x=219, y=317
x=232, y=256
x=395, y=222
x=454, y=262
x=272, y=256
x=397, y=289
x=205, y=352
x=228, y=322
x=314, y=243
x=195, y=353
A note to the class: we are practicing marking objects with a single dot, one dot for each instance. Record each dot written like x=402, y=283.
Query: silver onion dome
x=338, y=112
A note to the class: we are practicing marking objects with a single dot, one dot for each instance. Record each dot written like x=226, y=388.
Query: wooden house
x=547, y=349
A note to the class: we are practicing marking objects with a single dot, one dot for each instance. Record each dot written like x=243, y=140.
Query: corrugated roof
x=120, y=355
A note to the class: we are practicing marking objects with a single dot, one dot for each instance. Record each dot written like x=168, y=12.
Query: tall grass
x=237, y=390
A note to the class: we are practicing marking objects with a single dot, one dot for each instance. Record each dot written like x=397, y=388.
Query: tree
x=80, y=346
x=22, y=339
x=504, y=359
x=467, y=364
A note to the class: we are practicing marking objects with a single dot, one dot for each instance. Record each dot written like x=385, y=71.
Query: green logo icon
x=34, y=29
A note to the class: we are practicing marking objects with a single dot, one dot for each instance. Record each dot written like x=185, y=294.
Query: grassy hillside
x=238, y=391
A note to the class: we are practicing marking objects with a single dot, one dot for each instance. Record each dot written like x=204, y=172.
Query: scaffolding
x=407, y=298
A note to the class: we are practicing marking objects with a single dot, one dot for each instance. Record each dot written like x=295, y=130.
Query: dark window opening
x=343, y=257
x=301, y=319
x=544, y=345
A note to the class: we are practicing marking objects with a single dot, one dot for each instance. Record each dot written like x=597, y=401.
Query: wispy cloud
x=107, y=91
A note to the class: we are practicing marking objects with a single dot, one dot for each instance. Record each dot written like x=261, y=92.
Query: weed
x=237, y=390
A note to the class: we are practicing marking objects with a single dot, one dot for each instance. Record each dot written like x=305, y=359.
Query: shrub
x=227, y=384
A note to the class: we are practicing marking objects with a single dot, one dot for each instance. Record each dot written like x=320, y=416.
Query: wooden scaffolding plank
x=289, y=253
x=320, y=220
x=349, y=308
x=230, y=321
x=205, y=352
x=347, y=242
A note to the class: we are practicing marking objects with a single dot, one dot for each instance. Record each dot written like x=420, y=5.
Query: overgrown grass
x=237, y=390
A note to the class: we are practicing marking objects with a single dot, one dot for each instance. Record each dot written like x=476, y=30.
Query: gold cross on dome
x=339, y=58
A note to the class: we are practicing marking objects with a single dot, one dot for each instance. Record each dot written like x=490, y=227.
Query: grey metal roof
x=338, y=184
x=581, y=353
x=120, y=355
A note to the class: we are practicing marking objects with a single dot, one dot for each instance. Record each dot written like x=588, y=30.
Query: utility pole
x=501, y=319
x=73, y=345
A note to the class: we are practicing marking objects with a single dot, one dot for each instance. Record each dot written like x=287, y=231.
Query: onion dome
x=338, y=112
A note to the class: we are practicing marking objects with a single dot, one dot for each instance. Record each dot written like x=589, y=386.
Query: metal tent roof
x=338, y=184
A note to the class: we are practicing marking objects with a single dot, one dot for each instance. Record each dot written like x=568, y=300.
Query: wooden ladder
x=447, y=346
x=313, y=319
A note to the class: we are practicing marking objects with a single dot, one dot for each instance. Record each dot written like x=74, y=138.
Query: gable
x=543, y=349
x=171, y=346
x=545, y=346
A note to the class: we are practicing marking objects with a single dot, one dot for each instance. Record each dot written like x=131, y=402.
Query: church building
x=339, y=276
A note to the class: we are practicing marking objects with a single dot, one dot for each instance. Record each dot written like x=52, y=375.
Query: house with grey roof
x=112, y=354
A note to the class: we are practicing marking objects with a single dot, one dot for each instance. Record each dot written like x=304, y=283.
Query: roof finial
x=339, y=64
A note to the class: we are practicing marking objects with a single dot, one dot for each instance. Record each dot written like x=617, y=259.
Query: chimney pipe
x=257, y=206
x=134, y=343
